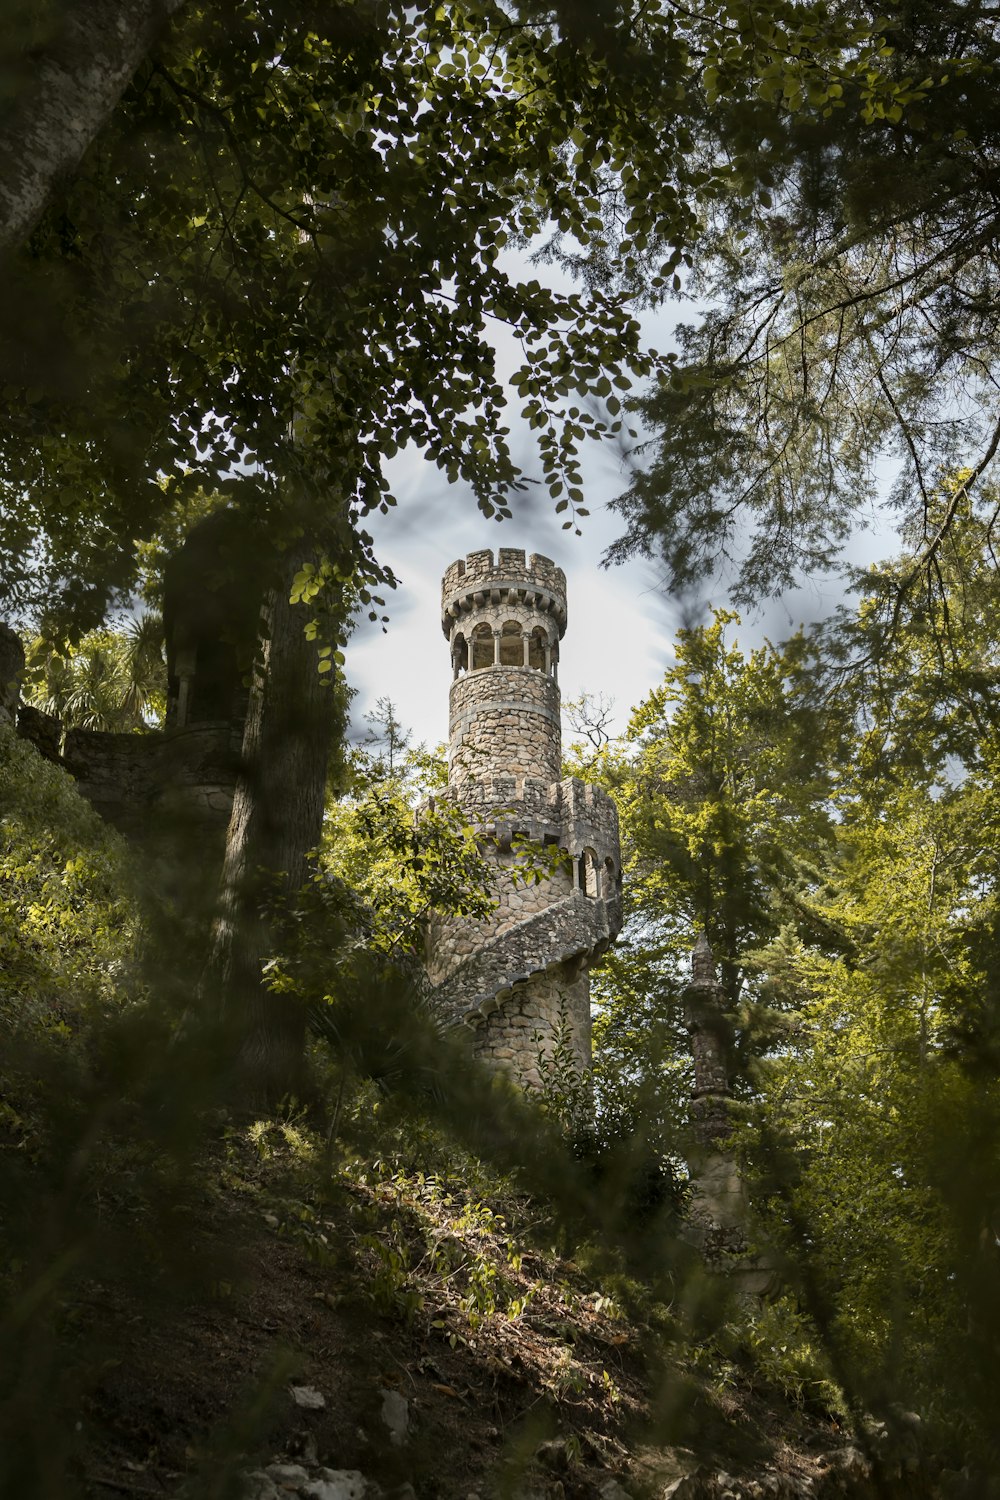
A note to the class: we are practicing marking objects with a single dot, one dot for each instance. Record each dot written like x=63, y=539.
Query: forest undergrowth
x=173, y=1270
x=194, y=1289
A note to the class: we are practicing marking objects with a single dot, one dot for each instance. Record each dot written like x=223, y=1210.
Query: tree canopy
x=277, y=261
x=846, y=282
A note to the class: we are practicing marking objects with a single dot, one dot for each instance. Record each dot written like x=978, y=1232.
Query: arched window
x=511, y=645
x=459, y=654
x=593, y=886
x=482, y=647
x=537, y=648
x=587, y=877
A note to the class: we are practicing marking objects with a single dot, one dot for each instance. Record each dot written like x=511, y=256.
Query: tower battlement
x=479, y=570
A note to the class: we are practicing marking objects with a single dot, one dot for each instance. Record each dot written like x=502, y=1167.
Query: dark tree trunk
x=75, y=78
x=276, y=820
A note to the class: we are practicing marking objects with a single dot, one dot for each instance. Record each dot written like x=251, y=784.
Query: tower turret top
x=478, y=580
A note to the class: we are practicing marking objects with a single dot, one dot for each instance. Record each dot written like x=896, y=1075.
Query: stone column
x=526, y=643
x=186, y=664
x=719, y=1210
x=704, y=1018
x=496, y=648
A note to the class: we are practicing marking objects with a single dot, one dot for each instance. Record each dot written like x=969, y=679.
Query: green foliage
x=834, y=831
x=787, y=1354
x=300, y=215
x=725, y=789
x=404, y=852
x=875, y=1126
x=103, y=1102
x=847, y=302
x=860, y=1138
x=277, y=264
x=405, y=848
x=723, y=782
x=274, y=269
x=112, y=680
x=774, y=1344
x=393, y=743
x=642, y=1068
x=918, y=659
x=69, y=920
x=566, y=1088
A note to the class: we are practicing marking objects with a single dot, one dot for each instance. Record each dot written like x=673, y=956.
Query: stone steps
x=573, y=927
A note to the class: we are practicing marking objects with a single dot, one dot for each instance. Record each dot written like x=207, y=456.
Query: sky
x=618, y=639
x=622, y=620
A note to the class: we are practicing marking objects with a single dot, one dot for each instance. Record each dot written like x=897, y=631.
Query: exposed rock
x=553, y=1455
x=308, y=1397
x=287, y=1476
x=610, y=1489
x=687, y=1487
x=848, y=1461
x=396, y=1416
x=335, y=1484
x=259, y=1486
x=280, y=1481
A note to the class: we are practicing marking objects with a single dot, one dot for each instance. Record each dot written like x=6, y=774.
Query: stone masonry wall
x=504, y=720
x=575, y=927
x=571, y=815
x=136, y=782
x=455, y=939
x=177, y=774
x=583, y=813
x=529, y=1023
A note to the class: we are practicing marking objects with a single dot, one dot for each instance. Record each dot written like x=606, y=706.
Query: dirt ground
x=552, y=1391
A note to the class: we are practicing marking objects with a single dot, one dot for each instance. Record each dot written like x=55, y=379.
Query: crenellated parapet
x=510, y=571
x=519, y=977
x=581, y=819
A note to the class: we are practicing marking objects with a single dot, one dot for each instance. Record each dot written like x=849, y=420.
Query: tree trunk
x=75, y=79
x=276, y=820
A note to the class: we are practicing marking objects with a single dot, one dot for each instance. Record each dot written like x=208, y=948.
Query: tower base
x=541, y=1028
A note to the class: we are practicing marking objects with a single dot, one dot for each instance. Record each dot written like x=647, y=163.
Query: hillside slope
x=392, y=1326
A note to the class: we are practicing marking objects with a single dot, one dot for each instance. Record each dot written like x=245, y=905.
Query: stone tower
x=520, y=979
